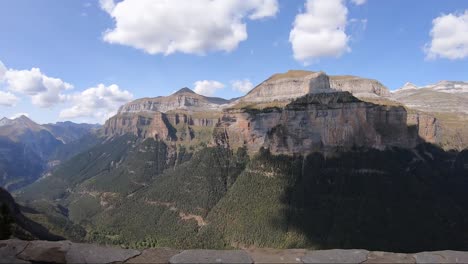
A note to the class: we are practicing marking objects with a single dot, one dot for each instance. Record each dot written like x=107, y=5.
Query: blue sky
x=65, y=40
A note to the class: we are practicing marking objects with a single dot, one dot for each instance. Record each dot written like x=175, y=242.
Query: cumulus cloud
x=207, y=88
x=358, y=2
x=170, y=26
x=96, y=103
x=320, y=30
x=44, y=91
x=107, y=5
x=242, y=86
x=8, y=99
x=3, y=70
x=449, y=37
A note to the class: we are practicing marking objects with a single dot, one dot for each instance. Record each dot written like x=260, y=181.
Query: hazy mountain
x=68, y=131
x=297, y=162
x=27, y=148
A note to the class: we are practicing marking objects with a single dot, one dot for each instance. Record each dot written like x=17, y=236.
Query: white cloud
x=3, y=70
x=359, y=2
x=449, y=37
x=107, y=5
x=320, y=31
x=19, y=115
x=8, y=99
x=170, y=26
x=43, y=90
x=207, y=88
x=242, y=86
x=96, y=103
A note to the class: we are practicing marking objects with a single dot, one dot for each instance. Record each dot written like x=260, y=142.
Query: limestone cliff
x=182, y=99
x=359, y=87
x=317, y=121
x=292, y=112
x=290, y=85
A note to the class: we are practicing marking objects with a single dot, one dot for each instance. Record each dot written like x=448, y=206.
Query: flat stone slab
x=159, y=255
x=45, y=251
x=387, y=257
x=267, y=255
x=447, y=256
x=211, y=256
x=89, y=253
x=10, y=248
x=336, y=256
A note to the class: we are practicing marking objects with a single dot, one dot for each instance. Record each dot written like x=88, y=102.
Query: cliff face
x=182, y=99
x=317, y=121
x=293, y=112
x=428, y=127
x=359, y=87
x=290, y=85
x=172, y=126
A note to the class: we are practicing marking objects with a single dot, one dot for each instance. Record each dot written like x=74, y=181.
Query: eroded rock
x=336, y=256
x=156, y=255
x=211, y=256
x=268, y=255
x=45, y=251
x=88, y=253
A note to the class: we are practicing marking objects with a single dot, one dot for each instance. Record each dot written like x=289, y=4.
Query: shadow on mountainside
x=13, y=222
x=393, y=200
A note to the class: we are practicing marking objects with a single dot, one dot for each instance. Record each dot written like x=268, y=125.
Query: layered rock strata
x=317, y=121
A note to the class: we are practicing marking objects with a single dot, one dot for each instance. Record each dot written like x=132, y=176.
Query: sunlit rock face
x=318, y=121
x=290, y=85
x=359, y=87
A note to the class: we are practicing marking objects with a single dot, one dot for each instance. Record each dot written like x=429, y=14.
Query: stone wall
x=18, y=251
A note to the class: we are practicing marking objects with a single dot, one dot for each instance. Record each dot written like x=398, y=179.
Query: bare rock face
x=359, y=87
x=317, y=121
x=428, y=127
x=287, y=86
x=182, y=99
x=173, y=126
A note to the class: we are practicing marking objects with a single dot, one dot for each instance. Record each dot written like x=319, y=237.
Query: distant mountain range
x=304, y=160
x=26, y=148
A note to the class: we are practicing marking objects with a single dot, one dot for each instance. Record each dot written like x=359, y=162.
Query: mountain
x=68, y=131
x=28, y=149
x=182, y=99
x=445, y=96
x=294, y=84
x=14, y=223
x=297, y=162
x=447, y=101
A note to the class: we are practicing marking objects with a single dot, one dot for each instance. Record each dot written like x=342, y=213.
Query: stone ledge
x=17, y=251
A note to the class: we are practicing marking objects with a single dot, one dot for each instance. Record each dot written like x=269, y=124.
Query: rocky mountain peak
x=5, y=121
x=184, y=90
x=408, y=86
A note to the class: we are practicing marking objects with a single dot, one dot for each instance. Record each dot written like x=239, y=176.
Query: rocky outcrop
x=287, y=86
x=184, y=99
x=428, y=126
x=17, y=251
x=359, y=87
x=315, y=122
x=173, y=126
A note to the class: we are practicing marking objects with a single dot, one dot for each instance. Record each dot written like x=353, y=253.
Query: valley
x=337, y=162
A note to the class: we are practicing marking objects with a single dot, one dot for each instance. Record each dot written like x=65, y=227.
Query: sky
x=80, y=60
